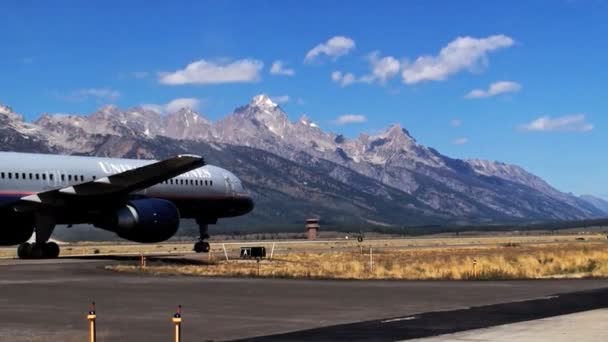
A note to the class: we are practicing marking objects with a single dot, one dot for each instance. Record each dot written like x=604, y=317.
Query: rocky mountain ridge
x=434, y=187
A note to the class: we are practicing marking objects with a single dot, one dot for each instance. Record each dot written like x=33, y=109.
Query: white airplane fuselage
x=205, y=193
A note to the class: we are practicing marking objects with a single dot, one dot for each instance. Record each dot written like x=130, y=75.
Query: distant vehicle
x=139, y=200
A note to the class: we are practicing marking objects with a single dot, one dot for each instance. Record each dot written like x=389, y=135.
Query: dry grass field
x=492, y=258
x=285, y=246
x=82, y=249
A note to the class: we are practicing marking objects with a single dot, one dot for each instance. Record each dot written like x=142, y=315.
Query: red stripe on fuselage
x=15, y=192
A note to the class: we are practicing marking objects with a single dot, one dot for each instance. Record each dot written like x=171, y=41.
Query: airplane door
x=229, y=186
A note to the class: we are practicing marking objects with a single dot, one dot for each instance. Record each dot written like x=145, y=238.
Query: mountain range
x=295, y=169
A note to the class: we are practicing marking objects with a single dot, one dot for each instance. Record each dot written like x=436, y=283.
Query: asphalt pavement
x=48, y=300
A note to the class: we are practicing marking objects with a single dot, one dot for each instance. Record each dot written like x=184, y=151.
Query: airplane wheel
x=23, y=251
x=50, y=250
x=202, y=247
x=36, y=251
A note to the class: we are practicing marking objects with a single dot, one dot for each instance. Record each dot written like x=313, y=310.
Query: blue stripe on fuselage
x=8, y=199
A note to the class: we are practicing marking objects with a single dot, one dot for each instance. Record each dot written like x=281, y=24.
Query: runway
x=43, y=300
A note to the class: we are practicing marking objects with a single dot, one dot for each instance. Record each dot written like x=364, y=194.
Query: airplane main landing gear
x=42, y=248
x=47, y=250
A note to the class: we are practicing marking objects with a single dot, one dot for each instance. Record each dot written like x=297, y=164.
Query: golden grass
x=110, y=249
x=507, y=261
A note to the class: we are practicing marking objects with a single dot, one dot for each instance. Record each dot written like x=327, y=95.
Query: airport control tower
x=312, y=227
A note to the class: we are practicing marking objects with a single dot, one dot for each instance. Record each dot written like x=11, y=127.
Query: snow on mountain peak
x=109, y=108
x=304, y=120
x=9, y=113
x=5, y=109
x=262, y=101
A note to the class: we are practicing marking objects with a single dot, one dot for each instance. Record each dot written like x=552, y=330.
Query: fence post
x=91, y=317
x=475, y=268
x=225, y=253
x=177, y=321
x=272, y=251
x=371, y=260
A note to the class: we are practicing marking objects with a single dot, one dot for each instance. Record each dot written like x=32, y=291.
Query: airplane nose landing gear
x=202, y=246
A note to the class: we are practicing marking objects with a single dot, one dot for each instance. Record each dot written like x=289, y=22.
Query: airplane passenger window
x=51, y=176
x=31, y=176
x=23, y=176
x=210, y=183
x=82, y=178
x=16, y=175
x=37, y=176
x=10, y=175
x=44, y=176
x=2, y=175
x=63, y=178
x=69, y=177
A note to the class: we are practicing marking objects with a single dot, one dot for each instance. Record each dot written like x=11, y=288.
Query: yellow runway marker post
x=177, y=321
x=91, y=317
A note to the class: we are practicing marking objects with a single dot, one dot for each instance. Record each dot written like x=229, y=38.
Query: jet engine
x=145, y=220
x=15, y=231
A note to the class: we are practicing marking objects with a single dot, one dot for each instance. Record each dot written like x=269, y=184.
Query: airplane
x=139, y=200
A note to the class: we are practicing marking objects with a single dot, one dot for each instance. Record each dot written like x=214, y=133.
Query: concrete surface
x=588, y=326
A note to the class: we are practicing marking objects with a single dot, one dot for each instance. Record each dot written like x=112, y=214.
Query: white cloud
x=460, y=141
x=568, y=123
x=280, y=99
x=214, y=72
x=383, y=68
x=187, y=102
x=496, y=88
x=98, y=94
x=335, y=47
x=349, y=118
x=174, y=105
x=278, y=68
x=153, y=107
x=456, y=122
x=463, y=53
x=336, y=76
x=344, y=79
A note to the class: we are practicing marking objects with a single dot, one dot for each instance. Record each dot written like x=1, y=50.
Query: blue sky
x=522, y=82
